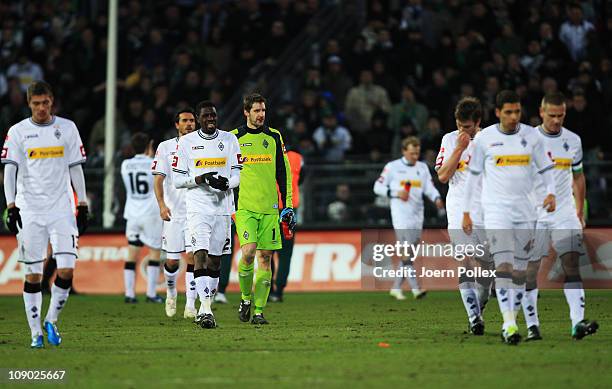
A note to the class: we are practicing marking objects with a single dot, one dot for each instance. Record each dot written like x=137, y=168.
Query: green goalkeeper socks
x=263, y=279
x=245, y=279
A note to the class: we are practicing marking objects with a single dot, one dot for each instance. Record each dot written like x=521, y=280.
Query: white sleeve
x=545, y=166
x=180, y=170
x=577, y=159
x=430, y=189
x=381, y=186
x=160, y=163
x=11, y=151
x=476, y=167
x=10, y=182
x=78, y=182
x=236, y=164
x=76, y=151
x=442, y=153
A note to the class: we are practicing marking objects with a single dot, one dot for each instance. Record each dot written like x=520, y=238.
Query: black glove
x=206, y=177
x=13, y=220
x=221, y=183
x=82, y=218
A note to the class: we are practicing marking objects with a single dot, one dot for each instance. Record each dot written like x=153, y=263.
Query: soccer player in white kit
x=405, y=181
x=207, y=163
x=144, y=226
x=452, y=168
x=43, y=155
x=506, y=153
x=172, y=210
x=564, y=226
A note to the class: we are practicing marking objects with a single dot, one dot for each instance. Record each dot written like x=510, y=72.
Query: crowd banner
x=322, y=261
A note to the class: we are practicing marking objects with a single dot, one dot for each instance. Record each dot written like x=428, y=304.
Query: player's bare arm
x=579, y=189
x=158, y=187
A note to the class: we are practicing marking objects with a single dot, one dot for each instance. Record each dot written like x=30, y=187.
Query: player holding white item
x=405, y=181
x=208, y=164
x=452, y=167
x=172, y=210
x=505, y=153
x=143, y=226
x=43, y=156
x=564, y=226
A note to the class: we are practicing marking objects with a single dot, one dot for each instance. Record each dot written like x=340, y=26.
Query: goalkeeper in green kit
x=265, y=167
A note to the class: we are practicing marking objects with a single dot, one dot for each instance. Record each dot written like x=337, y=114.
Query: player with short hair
x=564, y=226
x=207, y=163
x=143, y=227
x=506, y=153
x=176, y=238
x=43, y=156
x=452, y=168
x=405, y=181
x=266, y=167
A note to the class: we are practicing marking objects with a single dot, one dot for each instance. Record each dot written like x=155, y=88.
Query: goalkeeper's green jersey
x=265, y=165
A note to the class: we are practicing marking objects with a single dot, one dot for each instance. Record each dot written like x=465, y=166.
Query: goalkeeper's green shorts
x=263, y=229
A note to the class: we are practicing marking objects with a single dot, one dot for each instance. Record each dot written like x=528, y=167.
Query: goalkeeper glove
x=82, y=218
x=288, y=216
x=13, y=220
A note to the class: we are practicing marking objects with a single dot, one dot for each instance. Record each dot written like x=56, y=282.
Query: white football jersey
x=138, y=181
x=43, y=155
x=174, y=198
x=507, y=160
x=456, y=184
x=200, y=153
x=416, y=179
x=565, y=149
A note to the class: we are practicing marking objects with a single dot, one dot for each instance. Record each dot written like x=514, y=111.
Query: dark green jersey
x=265, y=167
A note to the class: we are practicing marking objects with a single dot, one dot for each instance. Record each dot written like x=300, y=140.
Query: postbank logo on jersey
x=411, y=183
x=202, y=163
x=512, y=160
x=46, y=152
x=562, y=163
x=253, y=159
x=462, y=165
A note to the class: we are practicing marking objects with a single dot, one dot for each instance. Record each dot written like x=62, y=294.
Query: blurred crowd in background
x=400, y=74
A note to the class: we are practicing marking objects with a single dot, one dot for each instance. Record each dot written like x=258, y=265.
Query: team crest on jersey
x=221, y=147
x=265, y=143
x=57, y=133
x=193, y=240
x=565, y=145
x=523, y=142
x=246, y=235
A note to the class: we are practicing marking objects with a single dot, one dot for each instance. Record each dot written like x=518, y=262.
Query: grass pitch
x=314, y=340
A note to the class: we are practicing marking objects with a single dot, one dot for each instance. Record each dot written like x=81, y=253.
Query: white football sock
x=33, y=307
x=152, y=276
x=470, y=300
x=503, y=288
x=129, y=280
x=190, y=290
x=518, y=292
x=170, y=282
x=57, y=303
x=574, y=294
x=530, y=308
x=201, y=285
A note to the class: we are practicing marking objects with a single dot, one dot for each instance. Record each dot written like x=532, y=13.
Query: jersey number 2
x=139, y=184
